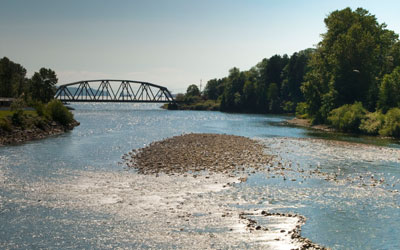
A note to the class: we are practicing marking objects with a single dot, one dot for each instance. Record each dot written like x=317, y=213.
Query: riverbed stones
x=199, y=152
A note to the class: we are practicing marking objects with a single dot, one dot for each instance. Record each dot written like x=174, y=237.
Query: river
x=73, y=191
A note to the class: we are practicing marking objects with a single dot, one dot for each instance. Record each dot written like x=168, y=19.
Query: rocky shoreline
x=19, y=135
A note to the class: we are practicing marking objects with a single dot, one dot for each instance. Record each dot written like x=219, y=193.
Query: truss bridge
x=113, y=91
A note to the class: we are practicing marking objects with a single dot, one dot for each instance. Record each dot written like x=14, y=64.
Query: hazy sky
x=172, y=43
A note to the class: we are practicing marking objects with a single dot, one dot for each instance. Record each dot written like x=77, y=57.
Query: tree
x=273, y=98
x=233, y=91
x=389, y=92
x=348, y=62
x=42, y=85
x=211, y=90
x=12, y=78
x=192, y=90
x=293, y=76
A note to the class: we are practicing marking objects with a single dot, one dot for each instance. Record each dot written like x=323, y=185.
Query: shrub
x=348, y=117
x=40, y=123
x=392, y=123
x=40, y=108
x=17, y=118
x=59, y=113
x=192, y=99
x=372, y=123
x=301, y=110
x=5, y=125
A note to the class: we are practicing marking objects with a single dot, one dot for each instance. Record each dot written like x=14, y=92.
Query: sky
x=173, y=43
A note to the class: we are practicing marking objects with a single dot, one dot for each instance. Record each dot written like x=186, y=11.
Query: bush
x=5, y=125
x=40, y=108
x=348, y=117
x=40, y=123
x=18, y=119
x=392, y=123
x=372, y=123
x=192, y=99
x=301, y=110
x=59, y=113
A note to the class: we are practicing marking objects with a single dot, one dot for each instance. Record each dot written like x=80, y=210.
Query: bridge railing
x=113, y=91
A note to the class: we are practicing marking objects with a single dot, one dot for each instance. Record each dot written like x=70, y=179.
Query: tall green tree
x=232, y=96
x=43, y=85
x=293, y=76
x=214, y=88
x=348, y=63
x=13, y=82
x=193, y=90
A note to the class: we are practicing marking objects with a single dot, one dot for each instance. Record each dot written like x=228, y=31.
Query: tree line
x=36, y=92
x=351, y=80
x=15, y=84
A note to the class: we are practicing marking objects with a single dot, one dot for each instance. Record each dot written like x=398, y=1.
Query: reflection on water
x=51, y=191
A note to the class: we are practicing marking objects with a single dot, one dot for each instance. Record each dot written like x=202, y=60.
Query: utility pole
x=200, y=84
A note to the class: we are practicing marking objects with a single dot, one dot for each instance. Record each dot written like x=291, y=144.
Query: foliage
x=192, y=99
x=302, y=110
x=356, y=51
x=372, y=123
x=18, y=104
x=18, y=118
x=59, y=113
x=40, y=108
x=389, y=92
x=214, y=88
x=5, y=124
x=288, y=107
x=348, y=117
x=12, y=78
x=193, y=90
x=391, y=126
x=42, y=85
x=13, y=82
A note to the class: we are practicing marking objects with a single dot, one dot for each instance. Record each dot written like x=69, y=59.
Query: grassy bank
x=20, y=125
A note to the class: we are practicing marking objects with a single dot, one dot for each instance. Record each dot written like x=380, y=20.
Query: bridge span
x=113, y=91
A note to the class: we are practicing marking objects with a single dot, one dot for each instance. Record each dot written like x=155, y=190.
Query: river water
x=73, y=191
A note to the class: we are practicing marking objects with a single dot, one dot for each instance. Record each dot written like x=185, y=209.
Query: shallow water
x=72, y=190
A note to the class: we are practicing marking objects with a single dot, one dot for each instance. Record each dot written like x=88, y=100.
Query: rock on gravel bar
x=197, y=152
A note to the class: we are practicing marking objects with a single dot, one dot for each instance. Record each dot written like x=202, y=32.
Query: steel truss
x=113, y=91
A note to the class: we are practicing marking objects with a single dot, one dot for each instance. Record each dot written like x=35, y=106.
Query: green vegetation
x=33, y=92
x=42, y=117
x=351, y=80
x=391, y=126
x=372, y=123
x=272, y=86
x=348, y=117
x=58, y=112
x=13, y=82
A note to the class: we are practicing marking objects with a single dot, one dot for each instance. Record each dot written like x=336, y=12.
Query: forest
x=350, y=81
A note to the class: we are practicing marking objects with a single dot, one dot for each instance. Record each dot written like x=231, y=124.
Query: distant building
x=5, y=101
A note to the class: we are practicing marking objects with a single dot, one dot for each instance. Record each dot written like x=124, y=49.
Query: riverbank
x=20, y=135
x=307, y=124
